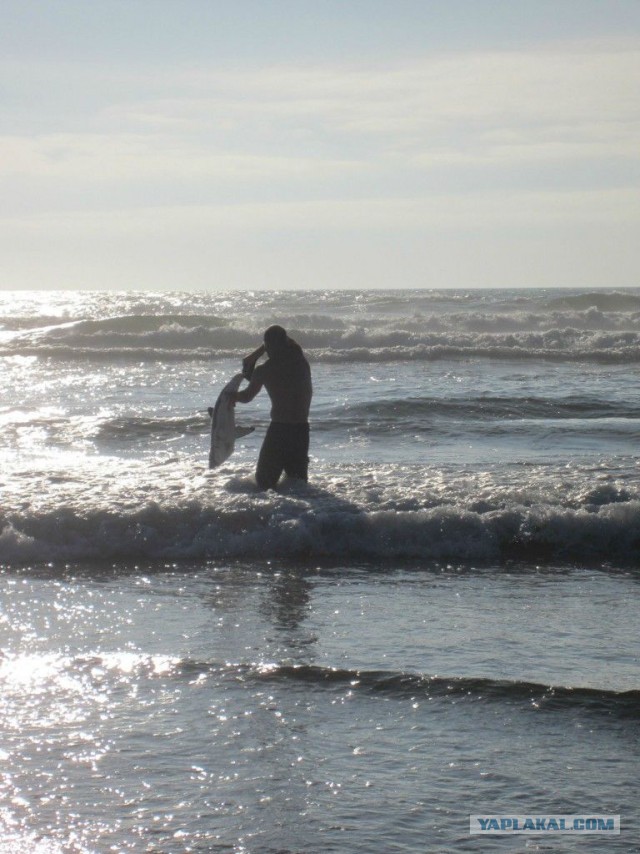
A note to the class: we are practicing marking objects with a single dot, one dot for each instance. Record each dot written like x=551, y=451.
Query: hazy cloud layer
x=443, y=162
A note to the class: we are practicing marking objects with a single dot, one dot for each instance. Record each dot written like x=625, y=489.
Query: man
x=286, y=375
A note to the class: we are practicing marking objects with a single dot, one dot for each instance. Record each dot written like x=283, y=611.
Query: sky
x=252, y=144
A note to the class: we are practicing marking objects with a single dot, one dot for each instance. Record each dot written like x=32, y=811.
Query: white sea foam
x=377, y=514
x=603, y=326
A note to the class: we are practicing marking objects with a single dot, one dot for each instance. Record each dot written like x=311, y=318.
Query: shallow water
x=339, y=708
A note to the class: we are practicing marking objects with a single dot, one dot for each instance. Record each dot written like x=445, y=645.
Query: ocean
x=442, y=623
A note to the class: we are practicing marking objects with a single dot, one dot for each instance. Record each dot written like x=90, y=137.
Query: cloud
x=575, y=90
x=576, y=100
x=502, y=210
x=114, y=157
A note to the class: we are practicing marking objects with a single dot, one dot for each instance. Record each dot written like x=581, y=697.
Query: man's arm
x=247, y=394
x=249, y=362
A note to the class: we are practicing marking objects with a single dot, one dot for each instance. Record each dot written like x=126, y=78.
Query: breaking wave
x=602, y=327
x=172, y=522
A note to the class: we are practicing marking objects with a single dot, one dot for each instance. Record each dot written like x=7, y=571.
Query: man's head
x=275, y=340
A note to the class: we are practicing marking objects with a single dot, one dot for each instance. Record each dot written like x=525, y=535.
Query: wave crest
x=603, y=326
x=310, y=523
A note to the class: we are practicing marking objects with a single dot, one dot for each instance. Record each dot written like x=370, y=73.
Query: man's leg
x=270, y=463
x=296, y=451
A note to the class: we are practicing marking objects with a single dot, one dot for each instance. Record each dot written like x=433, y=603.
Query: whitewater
x=440, y=623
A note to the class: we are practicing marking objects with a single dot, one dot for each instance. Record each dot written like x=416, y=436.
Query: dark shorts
x=285, y=448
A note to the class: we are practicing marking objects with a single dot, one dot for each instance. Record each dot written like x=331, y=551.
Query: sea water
x=443, y=622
